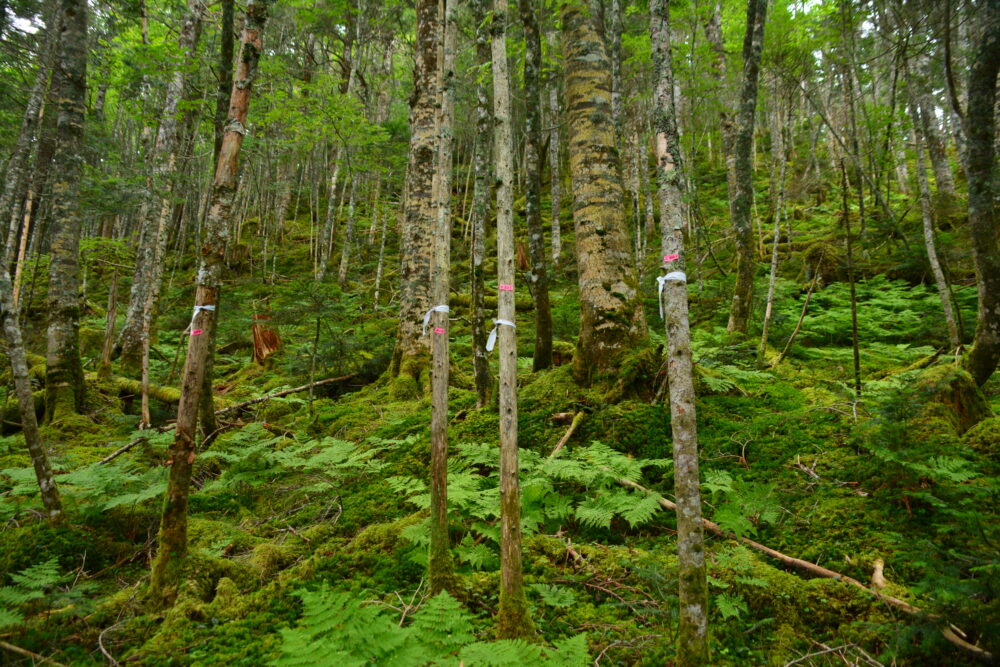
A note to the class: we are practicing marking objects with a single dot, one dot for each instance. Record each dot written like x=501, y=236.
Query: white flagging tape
x=435, y=309
x=195, y=314
x=673, y=276
x=492, y=340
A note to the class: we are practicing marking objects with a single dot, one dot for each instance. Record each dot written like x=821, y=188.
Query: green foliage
x=580, y=484
x=741, y=505
x=32, y=585
x=336, y=630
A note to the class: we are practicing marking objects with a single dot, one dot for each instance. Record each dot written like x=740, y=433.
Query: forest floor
x=307, y=521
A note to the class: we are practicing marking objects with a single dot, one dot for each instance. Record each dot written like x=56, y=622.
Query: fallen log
x=821, y=571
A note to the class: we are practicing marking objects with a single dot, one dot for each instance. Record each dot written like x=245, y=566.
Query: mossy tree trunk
x=741, y=197
x=611, y=317
x=554, y=171
x=533, y=185
x=440, y=568
x=64, y=372
x=172, y=538
x=980, y=128
x=513, y=619
x=692, y=639
x=481, y=208
x=409, y=361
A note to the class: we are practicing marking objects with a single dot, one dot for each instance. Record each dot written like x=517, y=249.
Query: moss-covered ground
x=310, y=490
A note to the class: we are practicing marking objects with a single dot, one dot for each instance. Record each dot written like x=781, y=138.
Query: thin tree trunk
x=533, y=179
x=713, y=32
x=742, y=196
x=555, y=172
x=440, y=567
x=151, y=254
x=850, y=279
x=381, y=256
x=64, y=373
x=481, y=208
x=798, y=325
x=345, y=253
x=611, y=316
x=692, y=640
x=778, y=147
x=329, y=223
x=513, y=617
x=227, y=33
x=927, y=216
x=168, y=565
x=980, y=128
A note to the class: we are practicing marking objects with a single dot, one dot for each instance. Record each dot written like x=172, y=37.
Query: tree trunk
x=409, y=362
x=440, y=568
x=225, y=76
x=481, y=208
x=329, y=223
x=555, y=173
x=692, y=640
x=927, y=216
x=611, y=317
x=713, y=33
x=980, y=128
x=533, y=182
x=172, y=539
x=64, y=373
x=16, y=174
x=778, y=148
x=151, y=253
x=345, y=251
x=513, y=619
x=742, y=196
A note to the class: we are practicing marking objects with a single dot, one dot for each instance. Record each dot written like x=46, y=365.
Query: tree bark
x=980, y=128
x=513, y=619
x=409, y=363
x=440, y=568
x=172, y=538
x=225, y=75
x=555, y=173
x=151, y=253
x=533, y=185
x=481, y=208
x=611, y=317
x=692, y=640
x=64, y=373
x=927, y=217
x=742, y=196
x=778, y=148
x=345, y=251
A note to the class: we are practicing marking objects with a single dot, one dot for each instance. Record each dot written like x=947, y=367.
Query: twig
x=100, y=644
x=569, y=432
x=817, y=653
x=25, y=652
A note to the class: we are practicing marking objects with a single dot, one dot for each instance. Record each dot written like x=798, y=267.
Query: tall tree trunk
x=409, y=362
x=329, y=223
x=513, y=619
x=980, y=128
x=345, y=251
x=533, y=180
x=692, y=639
x=16, y=174
x=64, y=373
x=151, y=253
x=171, y=555
x=742, y=196
x=932, y=135
x=927, y=216
x=611, y=317
x=225, y=75
x=440, y=568
x=778, y=148
x=614, y=41
x=713, y=33
x=554, y=171
x=481, y=207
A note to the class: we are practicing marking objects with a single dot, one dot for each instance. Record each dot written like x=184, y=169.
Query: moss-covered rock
x=984, y=437
x=951, y=396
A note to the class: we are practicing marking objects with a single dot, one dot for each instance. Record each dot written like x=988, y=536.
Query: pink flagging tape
x=438, y=330
x=506, y=288
x=196, y=332
x=671, y=258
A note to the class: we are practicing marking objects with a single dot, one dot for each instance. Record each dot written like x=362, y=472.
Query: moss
x=210, y=534
x=383, y=537
x=270, y=558
x=984, y=437
x=951, y=395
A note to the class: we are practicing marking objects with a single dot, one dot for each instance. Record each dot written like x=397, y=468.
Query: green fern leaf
x=503, y=653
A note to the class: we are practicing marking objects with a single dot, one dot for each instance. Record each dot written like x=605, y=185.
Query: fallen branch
x=569, y=432
x=28, y=654
x=285, y=392
x=821, y=571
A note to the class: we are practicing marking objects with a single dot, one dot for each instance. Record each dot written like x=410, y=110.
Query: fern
x=730, y=606
x=29, y=585
x=338, y=630
x=554, y=596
